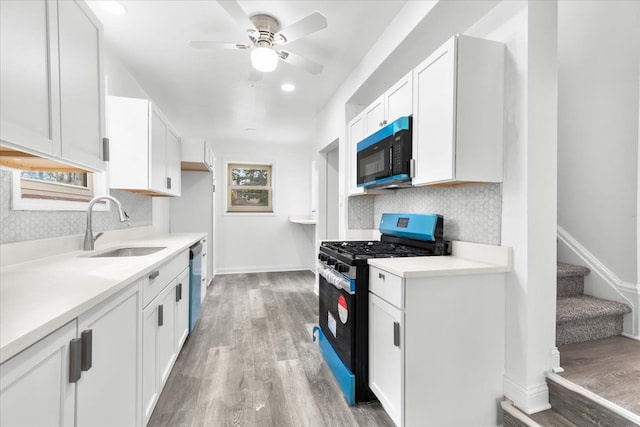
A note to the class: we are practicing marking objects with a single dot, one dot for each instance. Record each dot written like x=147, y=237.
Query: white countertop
x=39, y=296
x=465, y=258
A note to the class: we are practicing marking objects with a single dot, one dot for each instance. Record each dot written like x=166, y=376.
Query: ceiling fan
x=266, y=37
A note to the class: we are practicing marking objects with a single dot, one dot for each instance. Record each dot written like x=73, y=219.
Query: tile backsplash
x=18, y=226
x=472, y=213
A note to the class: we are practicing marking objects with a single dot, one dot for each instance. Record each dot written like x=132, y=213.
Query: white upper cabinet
x=356, y=134
x=391, y=105
x=52, y=102
x=144, y=150
x=457, y=113
x=197, y=155
x=374, y=116
x=81, y=84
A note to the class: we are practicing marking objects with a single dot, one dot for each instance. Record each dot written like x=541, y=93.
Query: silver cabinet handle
x=160, y=315
x=75, y=359
x=179, y=292
x=154, y=274
x=381, y=276
x=168, y=183
x=396, y=334
x=87, y=349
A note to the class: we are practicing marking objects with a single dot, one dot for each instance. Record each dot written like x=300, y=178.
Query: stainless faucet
x=89, y=239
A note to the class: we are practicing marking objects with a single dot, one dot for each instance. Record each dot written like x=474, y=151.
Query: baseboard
x=262, y=269
x=628, y=293
x=529, y=400
x=555, y=361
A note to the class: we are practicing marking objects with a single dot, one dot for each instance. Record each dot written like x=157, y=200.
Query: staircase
x=583, y=323
x=579, y=317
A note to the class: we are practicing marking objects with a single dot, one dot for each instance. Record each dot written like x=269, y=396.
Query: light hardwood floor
x=250, y=361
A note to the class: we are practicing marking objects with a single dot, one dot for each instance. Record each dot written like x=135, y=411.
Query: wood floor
x=609, y=367
x=250, y=361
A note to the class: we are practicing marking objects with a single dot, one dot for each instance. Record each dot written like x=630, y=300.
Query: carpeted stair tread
x=570, y=270
x=579, y=307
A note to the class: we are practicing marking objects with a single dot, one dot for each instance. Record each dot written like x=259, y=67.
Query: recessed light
x=112, y=6
x=288, y=87
x=249, y=129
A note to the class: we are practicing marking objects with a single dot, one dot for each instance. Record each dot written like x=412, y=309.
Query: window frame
x=249, y=211
x=18, y=203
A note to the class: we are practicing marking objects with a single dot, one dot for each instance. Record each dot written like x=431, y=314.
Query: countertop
x=466, y=258
x=39, y=296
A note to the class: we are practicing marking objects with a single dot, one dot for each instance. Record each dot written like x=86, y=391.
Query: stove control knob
x=332, y=261
x=342, y=268
x=322, y=257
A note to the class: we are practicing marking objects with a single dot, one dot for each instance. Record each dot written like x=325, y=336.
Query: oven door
x=337, y=320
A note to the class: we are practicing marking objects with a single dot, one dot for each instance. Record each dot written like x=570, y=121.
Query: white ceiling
x=207, y=93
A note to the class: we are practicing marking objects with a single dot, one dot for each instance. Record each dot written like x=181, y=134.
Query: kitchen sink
x=126, y=252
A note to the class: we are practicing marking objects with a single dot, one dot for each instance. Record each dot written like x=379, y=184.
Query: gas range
x=344, y=291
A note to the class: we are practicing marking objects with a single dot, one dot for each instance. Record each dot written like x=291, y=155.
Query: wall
x=472, y=213
x=250, y=242
x=18, y=226
x=598, y=57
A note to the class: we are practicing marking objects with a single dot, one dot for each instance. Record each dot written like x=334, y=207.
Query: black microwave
x=384, y=158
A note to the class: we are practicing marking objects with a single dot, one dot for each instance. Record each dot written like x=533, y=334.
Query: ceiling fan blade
x=255, y=75
x=197, y=44
x=310, y=24
x=300, y=61
x=235, y=11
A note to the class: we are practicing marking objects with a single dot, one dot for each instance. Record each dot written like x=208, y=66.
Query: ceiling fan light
x=264, y=59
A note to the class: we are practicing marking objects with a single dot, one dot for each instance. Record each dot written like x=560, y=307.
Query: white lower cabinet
x=108, y=391
x=385, y=355
x=436, y=347
x=165, y=328
x=41, y=387
x=34, y=385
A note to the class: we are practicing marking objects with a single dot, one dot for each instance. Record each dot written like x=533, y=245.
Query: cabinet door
x=174, y=154
x=374, y=116
x=108, y=390
x=166, y=332
x=204, y=270
x=30, y=104
x=399, y=98
x=81, y=84
x=356, y=134
x=34, y=385
x=182, y=309
x=386, y=347
x=150, y=376
x=434, y=113
x=158, y=154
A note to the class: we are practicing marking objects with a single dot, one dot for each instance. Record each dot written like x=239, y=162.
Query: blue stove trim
x=418, y=226
x=345, y=378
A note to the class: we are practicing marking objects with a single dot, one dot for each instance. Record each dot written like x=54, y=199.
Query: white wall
x=599, y=48
x=250, y=242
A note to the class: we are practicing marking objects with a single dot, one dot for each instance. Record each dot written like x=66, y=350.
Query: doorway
x=329, y=194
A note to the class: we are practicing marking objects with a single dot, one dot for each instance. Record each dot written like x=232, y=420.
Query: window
x=56, y=185
x=50, y=190
x=249, y=187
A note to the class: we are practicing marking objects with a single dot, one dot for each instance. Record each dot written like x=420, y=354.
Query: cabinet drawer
x=387, y=286
x=158, y=278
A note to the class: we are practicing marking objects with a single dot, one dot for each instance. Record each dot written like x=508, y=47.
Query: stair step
x=513, y=417
x=570, y=279
x=582, y=318
x=584, y=408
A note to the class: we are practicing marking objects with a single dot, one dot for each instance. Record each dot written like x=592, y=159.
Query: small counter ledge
x=466, y=258
x=303, y=219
